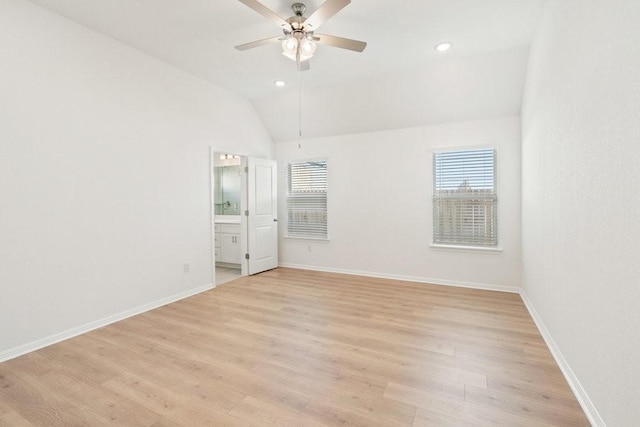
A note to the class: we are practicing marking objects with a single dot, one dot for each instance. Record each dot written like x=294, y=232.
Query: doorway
x=244, y=215
x=228, y=235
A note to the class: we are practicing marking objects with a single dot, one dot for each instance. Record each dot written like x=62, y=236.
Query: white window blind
x=465, y=200
x=307, y=199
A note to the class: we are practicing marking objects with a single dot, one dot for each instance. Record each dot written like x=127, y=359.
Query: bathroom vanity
x=227, y=239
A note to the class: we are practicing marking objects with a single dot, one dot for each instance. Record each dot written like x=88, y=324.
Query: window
x=465, y=201
x=307, y=200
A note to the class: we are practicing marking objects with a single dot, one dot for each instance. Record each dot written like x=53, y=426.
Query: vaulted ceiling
x=482, y=75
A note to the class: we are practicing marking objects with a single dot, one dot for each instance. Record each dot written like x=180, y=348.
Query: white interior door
x=262, y=220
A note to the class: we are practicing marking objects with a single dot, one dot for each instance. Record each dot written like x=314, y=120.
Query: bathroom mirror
x=227, y=190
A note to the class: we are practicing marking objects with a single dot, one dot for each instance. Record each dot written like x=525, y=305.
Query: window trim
x=462, y=247
x=286, y=200
x=490, y=250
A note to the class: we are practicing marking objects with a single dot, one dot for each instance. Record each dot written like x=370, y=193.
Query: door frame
x=244, y=271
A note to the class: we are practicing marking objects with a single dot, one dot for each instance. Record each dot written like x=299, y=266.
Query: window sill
x=313, y=239
x=471, y=249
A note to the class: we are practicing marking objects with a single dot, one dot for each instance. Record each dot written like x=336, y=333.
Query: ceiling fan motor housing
x=298, y=9
x=297, y=22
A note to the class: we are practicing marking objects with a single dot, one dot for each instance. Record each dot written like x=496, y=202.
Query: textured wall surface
x=581, y=195
x=104, y=175
x=380, y=208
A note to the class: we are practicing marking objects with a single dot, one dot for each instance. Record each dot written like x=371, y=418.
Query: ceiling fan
x=299, y=39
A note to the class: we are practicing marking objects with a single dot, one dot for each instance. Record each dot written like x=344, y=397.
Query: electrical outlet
x=187, y=267
x=309, y=248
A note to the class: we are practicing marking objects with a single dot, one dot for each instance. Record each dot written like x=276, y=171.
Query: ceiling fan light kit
x=299, y=42
x=305, y=47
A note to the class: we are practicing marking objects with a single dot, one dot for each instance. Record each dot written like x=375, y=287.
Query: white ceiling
x=199, y=36
x=475, y=87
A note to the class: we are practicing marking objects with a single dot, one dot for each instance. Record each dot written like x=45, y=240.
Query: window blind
x=306, y=199
x=465, y=199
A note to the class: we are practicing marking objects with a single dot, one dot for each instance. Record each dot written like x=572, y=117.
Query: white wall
x=581, y=196
x=380, y=209
x=104, y=175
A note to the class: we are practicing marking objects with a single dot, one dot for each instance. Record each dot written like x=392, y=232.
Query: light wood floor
x=296, y=348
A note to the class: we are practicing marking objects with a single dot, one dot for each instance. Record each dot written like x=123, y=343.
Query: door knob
x=275, y=219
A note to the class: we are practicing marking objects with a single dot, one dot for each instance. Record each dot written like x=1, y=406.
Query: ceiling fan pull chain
x=300, y=103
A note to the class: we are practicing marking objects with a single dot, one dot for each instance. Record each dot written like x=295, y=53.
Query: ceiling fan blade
x=266, y=12
x=257, y=43
x=324, y=12
x=340, y=42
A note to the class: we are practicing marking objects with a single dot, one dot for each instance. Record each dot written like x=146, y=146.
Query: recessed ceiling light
x=443, y=46
x=279, y=83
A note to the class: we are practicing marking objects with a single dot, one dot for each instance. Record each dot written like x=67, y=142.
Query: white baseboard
x=73, y=332
x=581, y=395
x=442, y=282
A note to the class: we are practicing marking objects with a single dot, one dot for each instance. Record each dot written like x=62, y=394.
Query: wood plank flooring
x=300, y=348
